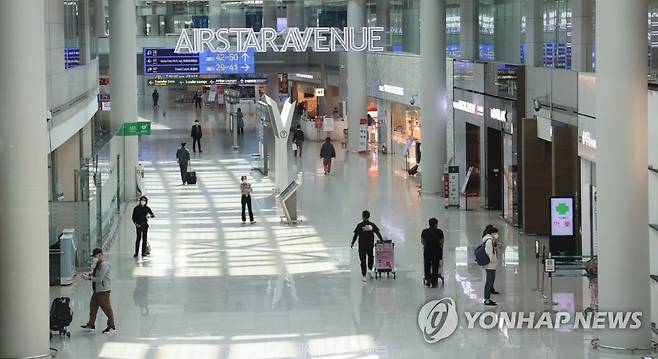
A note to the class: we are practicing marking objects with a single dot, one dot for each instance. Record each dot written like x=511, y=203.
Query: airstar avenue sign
x=319, y=39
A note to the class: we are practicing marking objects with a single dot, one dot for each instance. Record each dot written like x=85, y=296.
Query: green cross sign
x=562, y=209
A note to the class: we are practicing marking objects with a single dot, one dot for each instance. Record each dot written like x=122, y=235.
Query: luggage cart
x=384, y=258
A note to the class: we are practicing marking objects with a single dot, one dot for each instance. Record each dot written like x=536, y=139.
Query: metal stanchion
x=549, y=267
x=537, y=264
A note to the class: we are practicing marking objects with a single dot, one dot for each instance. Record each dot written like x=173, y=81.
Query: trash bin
x=54, y=263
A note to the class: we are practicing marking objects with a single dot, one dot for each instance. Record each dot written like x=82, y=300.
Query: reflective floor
x=215, y=288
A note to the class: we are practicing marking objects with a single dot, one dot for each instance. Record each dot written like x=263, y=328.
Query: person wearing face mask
x=141, y=213
x=245, y=189
x=101, y=285
x=183, y=157
x=491, y=247
x=196, y=136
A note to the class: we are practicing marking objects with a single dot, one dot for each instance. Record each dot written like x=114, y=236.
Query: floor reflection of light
x=117, y=350
x=264, y=350
x=345, y=345
x=461, y=256
x=196, y=351
x=467, y=287
x=511, y=256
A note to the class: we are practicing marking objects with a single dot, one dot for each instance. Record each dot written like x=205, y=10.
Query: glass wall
x=557, y=33
x=400, y=22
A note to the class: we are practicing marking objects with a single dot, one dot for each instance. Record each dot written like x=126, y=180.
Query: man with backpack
x=365, y=233
x=100, y=284
x=486, y=256
x=432, y=239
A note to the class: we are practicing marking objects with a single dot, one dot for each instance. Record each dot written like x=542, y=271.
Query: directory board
x=159, y=61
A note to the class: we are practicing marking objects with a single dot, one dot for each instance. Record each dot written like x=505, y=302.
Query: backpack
x=61, y=314
x=481, y=257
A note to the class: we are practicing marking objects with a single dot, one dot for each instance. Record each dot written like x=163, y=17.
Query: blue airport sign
x=166, y=61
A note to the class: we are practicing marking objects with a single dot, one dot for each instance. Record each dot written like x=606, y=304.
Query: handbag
x=294, y=146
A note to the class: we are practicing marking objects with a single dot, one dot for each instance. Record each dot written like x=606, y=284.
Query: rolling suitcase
x=61, y=316
x=384, y=258
x=191, y=178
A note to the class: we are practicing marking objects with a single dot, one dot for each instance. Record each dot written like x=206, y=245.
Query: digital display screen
x=289, y=189
x=562, y=216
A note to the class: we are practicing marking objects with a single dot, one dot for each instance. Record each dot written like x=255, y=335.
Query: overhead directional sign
x=140, y=128
x=166, y=61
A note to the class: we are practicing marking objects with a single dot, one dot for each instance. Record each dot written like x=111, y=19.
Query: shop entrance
x=494, y=178
x=473, y=159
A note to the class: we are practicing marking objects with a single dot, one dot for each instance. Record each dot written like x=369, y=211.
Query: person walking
x=197, y=99
x=491, y=247
x=246, y=190
x=156, y=97
x=327, y=152
x=183, y=157
x=432, y=239
x=239, y=121
x=141, y=213
x=298, y=140
x=196, y=136
x=365, y=232
x=100, y=297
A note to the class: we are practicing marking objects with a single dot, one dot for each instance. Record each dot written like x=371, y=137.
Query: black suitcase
x=61, y=316
x=191, y=177
x=413, y=170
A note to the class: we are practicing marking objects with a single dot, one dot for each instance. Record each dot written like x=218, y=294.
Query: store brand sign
x=319, y=92
x=318, y=39
x=587, y=140
x=498, y=114
x=395, y=90
x=305, y=76
x=468, y=107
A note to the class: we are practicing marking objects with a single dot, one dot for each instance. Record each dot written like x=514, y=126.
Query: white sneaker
x=364, y=279
x=371, y=275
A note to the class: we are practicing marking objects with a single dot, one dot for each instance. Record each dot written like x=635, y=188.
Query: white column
x=357, y=98
x=269, y=13
x=534, y=33
x=24, y=301
x=621, y=168
x=99, y=17
x=470, y=29
x=214, y=14
x=141, y=25
x=383, y=10
x=581, y=38
x=433, y=94
x=85, y=39
x=123, y=74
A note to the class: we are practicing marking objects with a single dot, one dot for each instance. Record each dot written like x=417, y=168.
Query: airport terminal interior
x=296, y=179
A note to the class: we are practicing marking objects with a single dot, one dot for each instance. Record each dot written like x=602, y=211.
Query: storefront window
x=71, y=34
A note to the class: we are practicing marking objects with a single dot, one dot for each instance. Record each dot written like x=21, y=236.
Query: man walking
x=156, y=97
x=432, y=239
x=141, y=213
x=100, y=284
x=365, y=233
x=327, y=152
x=183, y=157
x=298, y=140
x=196, y=136
x=239, y=121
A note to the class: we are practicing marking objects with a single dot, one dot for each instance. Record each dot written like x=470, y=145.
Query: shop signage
x=587, y=140
x=394, y=90
x=468, y=107
x=498, y=114
x=305, y=76
x=328, y=124
x=319, y=92
x=453, y=186
x=318, y=39
x=106, y=106
x=562, y=216
x=140, y=128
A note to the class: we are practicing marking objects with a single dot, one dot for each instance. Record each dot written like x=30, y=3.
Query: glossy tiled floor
x=215, y=288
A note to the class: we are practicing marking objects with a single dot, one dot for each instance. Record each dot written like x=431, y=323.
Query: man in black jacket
x=183, y=157
x=432, y=239
x=327, y=152
x=196, y=136
x=365, y=232
x=298, y=140
x=141, y=213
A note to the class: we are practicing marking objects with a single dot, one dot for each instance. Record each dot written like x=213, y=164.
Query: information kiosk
x=288, y=200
